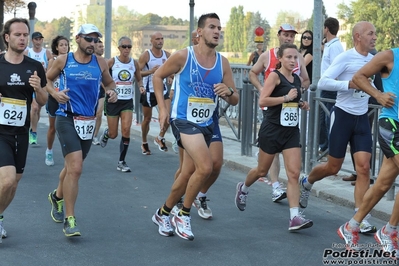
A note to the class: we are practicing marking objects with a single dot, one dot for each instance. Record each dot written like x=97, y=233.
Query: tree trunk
x=2, y=45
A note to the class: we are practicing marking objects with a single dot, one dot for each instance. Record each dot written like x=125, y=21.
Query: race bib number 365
x=84, y=126
x=13, y=112
x=200, y=110
x=289, y=115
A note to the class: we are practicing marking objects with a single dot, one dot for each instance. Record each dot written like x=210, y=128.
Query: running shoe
x=366, y=227
x=203, y=210
x=161, y=144
x=57, y=208
x=175, y=210
x=303, y=200
x=299, y=222
x=388, y=242
x=183, y=226
x=122, y=166
x=350, y=236
x=163, y=222
x=49, y=158
x=2, y=230
x=103, y=140
x=70, y=227
x=175, y=147
x=278, y=193
x=95, y=141
x=32, y=137
x=145, y=150
x=241, y=197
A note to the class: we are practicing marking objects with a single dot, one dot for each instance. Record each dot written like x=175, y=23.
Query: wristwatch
x=231, y=92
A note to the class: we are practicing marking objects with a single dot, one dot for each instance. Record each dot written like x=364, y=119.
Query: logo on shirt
x=124, y=75
x=15, y=79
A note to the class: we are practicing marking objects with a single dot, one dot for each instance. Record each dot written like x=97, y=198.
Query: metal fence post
x=246, y=114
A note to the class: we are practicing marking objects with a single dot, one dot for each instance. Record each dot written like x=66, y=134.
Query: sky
x=49, y=9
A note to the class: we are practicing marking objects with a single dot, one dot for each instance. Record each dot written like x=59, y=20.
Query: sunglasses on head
x=90, y=39
x=126, y=46
x=307, y=38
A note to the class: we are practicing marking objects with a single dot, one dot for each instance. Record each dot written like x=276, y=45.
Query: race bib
x=289, y=115
x=124, y=90
x=13, y=112
x=84, y=126
x=200, y=110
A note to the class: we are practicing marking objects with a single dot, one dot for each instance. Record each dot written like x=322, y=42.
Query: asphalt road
x=114, y=212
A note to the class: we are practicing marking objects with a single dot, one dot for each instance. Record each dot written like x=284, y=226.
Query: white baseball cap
x=89, y=28
x=286, y=27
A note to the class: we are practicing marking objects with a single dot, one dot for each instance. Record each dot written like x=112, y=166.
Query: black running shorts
x=13, y=151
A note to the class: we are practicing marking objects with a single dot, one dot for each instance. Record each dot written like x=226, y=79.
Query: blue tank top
x=83, y=82
x=390, y=84
x=191, y=84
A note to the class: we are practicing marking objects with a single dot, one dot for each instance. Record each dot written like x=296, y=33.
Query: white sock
x=49, y=151
x=294, y=212
x=276, y=184
x=159, y=137
x=201, y=195
x=244, y=188
x=390, y=228
x=306, y=184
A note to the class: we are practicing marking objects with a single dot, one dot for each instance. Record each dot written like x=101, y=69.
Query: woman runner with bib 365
x=281, y=93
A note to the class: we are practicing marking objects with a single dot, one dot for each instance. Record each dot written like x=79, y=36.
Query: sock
x=389, y=228
x=165, y=210
x=356, y=209
x=294, y=212
x=159, y=137
x=353, y=223
x=276, y=184
x=244, y=188
x=55, y=196
x=201, y=195
x=306, y=184
x=185, y=211
x=49, y=151
x=123, y=146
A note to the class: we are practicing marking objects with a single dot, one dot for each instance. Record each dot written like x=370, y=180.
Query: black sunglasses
x=90, y=39
x=307, y=38
x=126, y=46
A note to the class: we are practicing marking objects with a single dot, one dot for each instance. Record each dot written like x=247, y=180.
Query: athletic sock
x=294, y=212
x=165, y=210
x=353, y=223
x=244, y=188
x=123, y=146
x=185, y=211
x=390, y=228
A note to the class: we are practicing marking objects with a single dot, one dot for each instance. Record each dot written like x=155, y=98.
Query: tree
x=234, y=39
x=382, y=13
x=11, y=6
x=257, y=21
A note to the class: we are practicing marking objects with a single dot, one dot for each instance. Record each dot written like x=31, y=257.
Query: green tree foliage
x=234, y=39
x=382, y=13
x=150, y=19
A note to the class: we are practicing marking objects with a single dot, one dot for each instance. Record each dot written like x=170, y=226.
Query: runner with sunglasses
x=149, y=62
x=124, y=70
x=81, y=75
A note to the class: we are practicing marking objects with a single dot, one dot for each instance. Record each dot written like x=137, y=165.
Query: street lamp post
x=192, y=4
x=32, y=11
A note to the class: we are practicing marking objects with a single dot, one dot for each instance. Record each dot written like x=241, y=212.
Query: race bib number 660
x=200, y=110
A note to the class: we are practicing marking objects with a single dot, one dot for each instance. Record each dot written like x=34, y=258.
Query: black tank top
x=273, y=113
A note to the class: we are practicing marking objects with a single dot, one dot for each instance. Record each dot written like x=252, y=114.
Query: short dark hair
x=7, y=26
x=55, y=42
x=201, y=20
x=332, y=24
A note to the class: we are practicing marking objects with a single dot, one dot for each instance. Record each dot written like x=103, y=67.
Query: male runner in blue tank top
x=387, y=63
x=201, y=76
x=81, y=75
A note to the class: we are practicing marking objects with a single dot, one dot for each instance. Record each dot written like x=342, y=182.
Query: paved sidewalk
x=331, y=188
